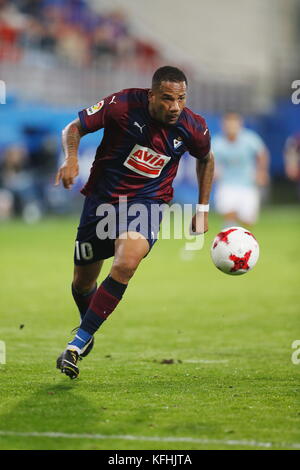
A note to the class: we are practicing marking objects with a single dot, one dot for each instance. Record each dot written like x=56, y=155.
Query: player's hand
x=67, y=173
x=199, y=223
x=262, y=178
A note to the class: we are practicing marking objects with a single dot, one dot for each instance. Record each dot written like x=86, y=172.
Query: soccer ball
x=235, y=251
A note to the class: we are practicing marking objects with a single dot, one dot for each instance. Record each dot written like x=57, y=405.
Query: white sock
x=72, y=347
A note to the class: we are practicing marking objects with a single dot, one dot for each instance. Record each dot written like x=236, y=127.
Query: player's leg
x=84, y=287
x=230, y=219
x=249, y=207
x=84, y=284
x=87, y=257
x=89, y=254
x=226, y=200
x=129, y=251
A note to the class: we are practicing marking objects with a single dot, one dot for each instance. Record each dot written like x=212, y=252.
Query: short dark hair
x=168, y=74
x=231, y=112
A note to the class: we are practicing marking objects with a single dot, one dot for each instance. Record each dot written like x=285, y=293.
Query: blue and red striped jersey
x=138, y=156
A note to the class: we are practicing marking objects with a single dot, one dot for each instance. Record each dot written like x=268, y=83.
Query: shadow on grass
x=51, y=408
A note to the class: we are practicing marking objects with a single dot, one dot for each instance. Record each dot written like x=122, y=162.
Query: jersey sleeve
x=98, y=115
x=199, y=143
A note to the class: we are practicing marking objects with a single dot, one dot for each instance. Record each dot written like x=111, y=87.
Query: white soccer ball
x=235, y=251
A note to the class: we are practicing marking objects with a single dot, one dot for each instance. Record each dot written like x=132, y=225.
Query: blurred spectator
x=72, y=46
x=102, y=42
x=11, y=15
x=12, y=22
x=292, y=160
x=71, y=31
x=17, y=182
x=147, y=55
x=25, y=169
x=29, y=7
x=37, y=37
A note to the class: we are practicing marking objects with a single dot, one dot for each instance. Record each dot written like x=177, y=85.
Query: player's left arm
x=262, y=167
x=205, y=173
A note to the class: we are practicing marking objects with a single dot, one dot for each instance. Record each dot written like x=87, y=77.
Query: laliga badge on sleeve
x=95, y=108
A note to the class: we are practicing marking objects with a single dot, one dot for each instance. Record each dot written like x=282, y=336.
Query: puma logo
x=140, y=127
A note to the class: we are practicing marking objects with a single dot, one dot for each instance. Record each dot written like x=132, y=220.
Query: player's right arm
x=69, y=170
x=90, y=120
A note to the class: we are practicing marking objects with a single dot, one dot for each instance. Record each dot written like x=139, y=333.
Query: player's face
x=167, y=101
x=232, y=124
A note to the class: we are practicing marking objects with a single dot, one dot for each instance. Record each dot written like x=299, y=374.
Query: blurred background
x=57, y=57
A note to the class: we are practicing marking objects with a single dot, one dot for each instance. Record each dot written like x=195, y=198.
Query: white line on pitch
x=206, y=361
x=124, y=437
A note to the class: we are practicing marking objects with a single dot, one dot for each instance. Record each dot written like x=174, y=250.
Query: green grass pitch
x=230, y=382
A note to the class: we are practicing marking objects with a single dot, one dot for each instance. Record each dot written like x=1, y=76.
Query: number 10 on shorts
x=83, y=251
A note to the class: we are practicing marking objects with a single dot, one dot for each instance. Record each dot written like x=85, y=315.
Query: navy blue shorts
x=102, y=223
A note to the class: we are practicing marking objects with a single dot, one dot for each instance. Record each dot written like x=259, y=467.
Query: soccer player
x=146, y=131
x=241, y=170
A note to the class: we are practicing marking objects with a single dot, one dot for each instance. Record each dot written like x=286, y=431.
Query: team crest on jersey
x=177, y=142
x=146, y=162
x=95, y=108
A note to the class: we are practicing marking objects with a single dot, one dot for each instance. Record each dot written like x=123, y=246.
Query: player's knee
x=125, y=269
x=81, y=285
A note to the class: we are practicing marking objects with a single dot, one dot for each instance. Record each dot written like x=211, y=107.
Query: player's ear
x=151, y=97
